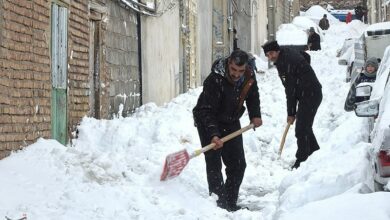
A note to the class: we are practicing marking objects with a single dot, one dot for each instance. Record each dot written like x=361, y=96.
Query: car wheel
x=378, y=186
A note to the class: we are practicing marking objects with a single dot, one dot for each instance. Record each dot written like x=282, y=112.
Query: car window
x=382, y=76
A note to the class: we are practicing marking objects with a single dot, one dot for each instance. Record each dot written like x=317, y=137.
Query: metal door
x=220, y=33
x=59, y=46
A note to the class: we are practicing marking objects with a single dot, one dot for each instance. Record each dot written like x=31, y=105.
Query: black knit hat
x=271, y=46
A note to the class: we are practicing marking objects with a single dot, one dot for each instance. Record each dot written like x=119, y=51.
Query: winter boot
x=233, y=208
x=296, y=165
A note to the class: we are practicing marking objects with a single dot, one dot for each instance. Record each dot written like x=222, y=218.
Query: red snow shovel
x=175, y=163
x=283, y=139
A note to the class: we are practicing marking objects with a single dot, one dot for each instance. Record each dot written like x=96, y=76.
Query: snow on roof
x=316, y=12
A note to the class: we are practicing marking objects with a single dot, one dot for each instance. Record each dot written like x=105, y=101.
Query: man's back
x=324, y=24
x=314, y=41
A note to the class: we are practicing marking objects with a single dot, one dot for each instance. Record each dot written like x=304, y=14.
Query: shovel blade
x=174, y=164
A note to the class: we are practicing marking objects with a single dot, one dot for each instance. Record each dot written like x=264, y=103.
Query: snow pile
x=304, y=23
x=316, y=12
x=289, y=34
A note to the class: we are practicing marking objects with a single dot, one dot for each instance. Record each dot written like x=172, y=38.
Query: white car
x=379, y=107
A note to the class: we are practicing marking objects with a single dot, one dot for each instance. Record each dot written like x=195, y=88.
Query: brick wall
x=25, y=77
x=121, y=59
x=24, y=73
x=78, y=44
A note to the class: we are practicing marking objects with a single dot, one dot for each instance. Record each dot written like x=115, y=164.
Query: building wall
x=78, y=42
x=121, y=60
x=282, y=12
x=205, y=21
x=25, y=72
x=243, y=17
x=251, y=23
x=259, y=26
x=295, y=8
x=161, y=56
x=372, y=15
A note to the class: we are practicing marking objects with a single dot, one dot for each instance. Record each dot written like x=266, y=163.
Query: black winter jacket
x=298, y=78
x=315, y=41
x=219, y=101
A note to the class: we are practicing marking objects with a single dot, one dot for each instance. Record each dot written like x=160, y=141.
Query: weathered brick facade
x=101, y=37
x=121, y=59
x=78, y=49
x=25, y=72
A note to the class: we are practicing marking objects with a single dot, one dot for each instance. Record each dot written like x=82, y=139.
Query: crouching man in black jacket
x=302, y=89
x=217, y=113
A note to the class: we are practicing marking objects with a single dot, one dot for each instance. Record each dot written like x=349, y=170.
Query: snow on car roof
x=379, y=26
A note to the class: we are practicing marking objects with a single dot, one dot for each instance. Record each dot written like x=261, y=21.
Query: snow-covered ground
x=112, y=170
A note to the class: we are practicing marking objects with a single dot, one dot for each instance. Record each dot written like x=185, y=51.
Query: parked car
x=342, y=14
x=379, y=106
x=371, y=43
x=347, y=45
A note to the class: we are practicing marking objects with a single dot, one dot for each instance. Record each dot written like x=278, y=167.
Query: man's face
x=236, y=71
x=272, y=55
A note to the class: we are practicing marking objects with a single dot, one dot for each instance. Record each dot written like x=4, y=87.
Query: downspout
x=139, y=56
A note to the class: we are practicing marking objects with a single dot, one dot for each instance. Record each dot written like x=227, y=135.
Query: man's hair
x=239, y=57
x=325, y=16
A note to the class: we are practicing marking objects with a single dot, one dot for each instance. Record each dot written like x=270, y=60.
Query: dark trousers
x=232, y=155
x=306, y=141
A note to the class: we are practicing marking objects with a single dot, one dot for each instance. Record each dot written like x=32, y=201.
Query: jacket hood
x=219, y=66
x=373, y=62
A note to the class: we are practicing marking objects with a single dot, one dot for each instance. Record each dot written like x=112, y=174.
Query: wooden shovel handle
x=224, y=139
x=284, y=138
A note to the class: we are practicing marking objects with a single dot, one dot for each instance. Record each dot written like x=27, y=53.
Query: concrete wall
x=377, y=11
x=259, y=26
x=160, y=57
x=121, y=59
x=205, y=25
x=243, y=18
x=251, y=25
x=282, y=12
x=295, y=8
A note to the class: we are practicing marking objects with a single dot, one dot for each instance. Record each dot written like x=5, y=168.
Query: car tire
x=378, y=186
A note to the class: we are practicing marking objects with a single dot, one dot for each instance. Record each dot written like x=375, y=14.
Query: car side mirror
x=343, y=62
x=363, y=91
x=368, y=108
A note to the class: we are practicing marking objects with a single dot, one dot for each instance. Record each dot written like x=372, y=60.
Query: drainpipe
x=271, y=23
x=139, y=56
